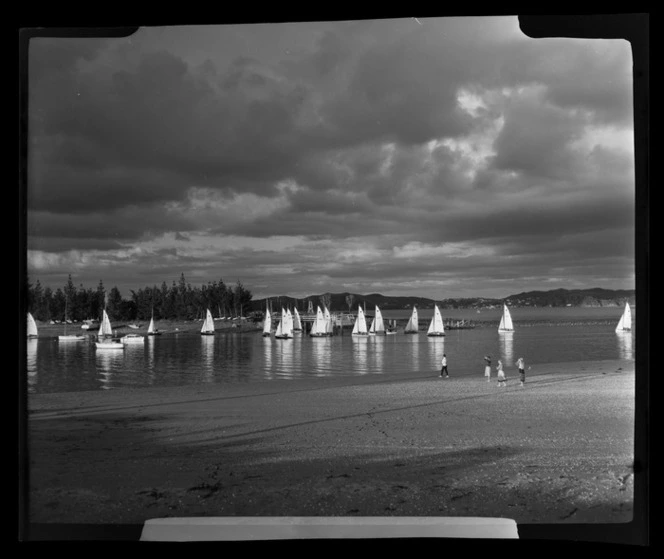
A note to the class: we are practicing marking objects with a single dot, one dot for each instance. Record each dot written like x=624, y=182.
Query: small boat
x=208, y=326
x=285, y=326
x=32, y=327
x=413, y=325
x=360, y=327
x=318, y=328
x=506, y=321
x=152, y=331
x=70, y=337
x=436, y=328
x=105, y=330
x=133, y=339
x=329, y=329
x=377, y=324
x=625, y=322
x=134, y=326
x=267, y=323
x=297, y=323
x=109, y=344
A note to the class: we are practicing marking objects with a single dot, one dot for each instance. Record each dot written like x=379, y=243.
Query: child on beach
x=487, y=369
x=522, y=370
x=501, y=374
x=443, y=369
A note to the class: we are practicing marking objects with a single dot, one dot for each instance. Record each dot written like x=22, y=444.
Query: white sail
x=328, y=322
x=105, y=326
x=625, y=323
x=267, y=323
x=506, y=321
x=380, y=325
x=318, y=327
x=279, y=332
x=413, y=323
x=436, y=327
x=32, y=327
x=289, y=323
x=297, y=324
x=372, y=328
x=208, y=325
x=360, y=327
x=151, y=327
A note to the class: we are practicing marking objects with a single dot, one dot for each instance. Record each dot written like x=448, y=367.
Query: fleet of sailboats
x=208, y=326
x=625, y=322
x=436, y=327
x=506, y=321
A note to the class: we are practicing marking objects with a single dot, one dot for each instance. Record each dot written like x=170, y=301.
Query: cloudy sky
x=441, y=157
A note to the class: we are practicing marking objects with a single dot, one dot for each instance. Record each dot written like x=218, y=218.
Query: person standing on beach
x=487, y=369
x=522, y=370
x=443, y=370
x=501, y=374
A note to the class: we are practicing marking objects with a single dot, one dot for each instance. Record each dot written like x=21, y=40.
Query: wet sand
x=558, y=450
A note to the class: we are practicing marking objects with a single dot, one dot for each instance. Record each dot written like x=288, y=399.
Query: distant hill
x=594, y=297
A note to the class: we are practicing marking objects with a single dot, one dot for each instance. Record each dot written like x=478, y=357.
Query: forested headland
x=179, y=301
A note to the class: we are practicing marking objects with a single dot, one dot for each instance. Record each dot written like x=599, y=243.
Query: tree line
x=180, y=301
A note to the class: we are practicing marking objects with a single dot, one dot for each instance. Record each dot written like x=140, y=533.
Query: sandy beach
x=558, y=450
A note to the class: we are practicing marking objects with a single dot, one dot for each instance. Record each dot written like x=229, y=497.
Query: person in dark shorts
x=522, y=370
x=443, y=370
x=487, y=368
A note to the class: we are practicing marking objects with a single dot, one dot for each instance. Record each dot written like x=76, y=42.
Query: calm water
x=541, y=336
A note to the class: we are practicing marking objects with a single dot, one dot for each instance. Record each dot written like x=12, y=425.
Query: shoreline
x=558, y=450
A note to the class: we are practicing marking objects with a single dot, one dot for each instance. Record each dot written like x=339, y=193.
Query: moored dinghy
x=70, y=337
x=436, y=327
x=133, y=339
x=625, y=323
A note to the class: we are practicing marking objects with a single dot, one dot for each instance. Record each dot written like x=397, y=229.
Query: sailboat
x=105, y=335
x=436, y=327
x=506, y=321
x=152, y=331
x=69, y=338
x=297, y=323
x=377, y=324
x=267, y=323
x=392, y=329
x=318, y=327
x=625, y=323
x=329, y=330
x=284, y=328
x=32, y=327
x=413, y=325
x=360, y=327
x=289, y=323
x=208, y=326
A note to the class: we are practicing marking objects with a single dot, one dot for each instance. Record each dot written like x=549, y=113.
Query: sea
x=541, y=336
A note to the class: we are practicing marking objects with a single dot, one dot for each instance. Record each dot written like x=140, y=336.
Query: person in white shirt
x=443, y=369
x=522, y=370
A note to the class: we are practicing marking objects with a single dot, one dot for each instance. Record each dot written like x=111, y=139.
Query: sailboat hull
x=436, y=335
x=207, y=333
x=71, y=338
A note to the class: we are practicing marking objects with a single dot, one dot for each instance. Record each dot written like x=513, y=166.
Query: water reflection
x=507, y=348
x=32, y=365
x=267, y=356
x=414, y=339
x=109, y=362
x=207, y=349
x=625, y=345
x=149, y=344
x=321, y=353
x=284, y=354
x=436, y=350
x=378, y=352
x=360, y=348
